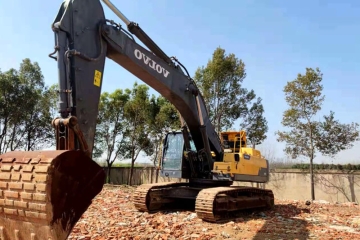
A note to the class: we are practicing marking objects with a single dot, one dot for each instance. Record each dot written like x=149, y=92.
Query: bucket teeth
x=44, y=193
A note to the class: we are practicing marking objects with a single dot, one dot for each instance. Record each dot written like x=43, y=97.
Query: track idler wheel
x=44, y=193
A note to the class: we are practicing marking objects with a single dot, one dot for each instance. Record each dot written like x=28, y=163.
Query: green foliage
x=333, y=136
x=163, y=117
x=307, y=136
x=137, y=131
x=25, y=119
x=51, y=98
x=130, y=122
x=111, y=125
x=220, y=83
x=137, y=112
x=304, y=98
x=345, y=167
x=255, y=123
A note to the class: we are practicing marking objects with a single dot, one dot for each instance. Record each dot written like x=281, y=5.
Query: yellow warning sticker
x=97, y=78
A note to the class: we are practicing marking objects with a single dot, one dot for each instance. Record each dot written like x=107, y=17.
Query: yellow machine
x=241, y=162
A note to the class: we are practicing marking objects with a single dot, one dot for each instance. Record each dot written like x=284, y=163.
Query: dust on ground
x=113, y=216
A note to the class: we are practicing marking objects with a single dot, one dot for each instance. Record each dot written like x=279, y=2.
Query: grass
x=124, y=165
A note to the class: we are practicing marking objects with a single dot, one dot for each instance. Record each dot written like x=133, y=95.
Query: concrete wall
x=331, y=186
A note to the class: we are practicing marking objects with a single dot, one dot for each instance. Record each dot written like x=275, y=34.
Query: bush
x=306, y=166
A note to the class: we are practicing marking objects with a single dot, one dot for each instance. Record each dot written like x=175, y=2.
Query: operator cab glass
x=173, y=151
x=233, y=141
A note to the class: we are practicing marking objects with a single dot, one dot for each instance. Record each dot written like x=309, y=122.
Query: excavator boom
x=84, y=38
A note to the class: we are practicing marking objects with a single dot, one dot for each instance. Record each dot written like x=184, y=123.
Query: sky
x=276, y=40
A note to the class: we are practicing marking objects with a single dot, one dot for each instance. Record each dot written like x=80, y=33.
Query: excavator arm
x=84, y=39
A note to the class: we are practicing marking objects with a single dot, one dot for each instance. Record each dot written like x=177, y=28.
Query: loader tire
x=44, y=193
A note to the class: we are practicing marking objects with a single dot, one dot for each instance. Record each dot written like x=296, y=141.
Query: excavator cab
x=174, y=160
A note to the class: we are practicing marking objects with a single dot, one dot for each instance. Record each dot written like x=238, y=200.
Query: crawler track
x=222, y=203
x=148, y=197
x=212, y=204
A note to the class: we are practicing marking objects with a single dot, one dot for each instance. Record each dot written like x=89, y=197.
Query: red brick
x=11, y=194
x=46, y=160
x=40, y=177
x=41, y=187
x=27, y=177
x=35, y=160
x=15, y=185
x=17, y=167
x=3, y=185
x=39, y=197
x=15, y=176
x=41, y=169
x=20, y=204
x=32, y=214
x=8, y=160
x=10, y=211
x=29, y=186
x=5, y=176
x=9, y=202
x=28, y=168
x=25, y=195
x=37, y=206
x=6, y=167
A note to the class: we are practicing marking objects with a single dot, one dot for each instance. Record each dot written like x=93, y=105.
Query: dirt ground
x=113, y=216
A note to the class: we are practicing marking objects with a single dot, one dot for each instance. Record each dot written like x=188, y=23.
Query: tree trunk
x=131, y=172
x=132, y=165
x=109, y=171
x=28, y=147
x=157, y=175
x=351, y=179
x=151, y=174
x=218, y=128
x=312, y=180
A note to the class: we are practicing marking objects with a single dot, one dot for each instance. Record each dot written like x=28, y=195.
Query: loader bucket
x=44, y=193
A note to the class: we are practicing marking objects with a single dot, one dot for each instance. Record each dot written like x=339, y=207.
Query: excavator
x=44, y=193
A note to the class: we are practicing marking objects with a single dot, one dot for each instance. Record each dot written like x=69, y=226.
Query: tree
x=163, y=117
x=137, y=131
x=52, y=97
x=25, y=122
x=9, y=105
x=255, y=123
x=39, y=132
x=36, y=125
x=307, y=136
x=220, y=83
x=110, y=127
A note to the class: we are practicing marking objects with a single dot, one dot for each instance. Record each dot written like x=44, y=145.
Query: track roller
x=223, y=203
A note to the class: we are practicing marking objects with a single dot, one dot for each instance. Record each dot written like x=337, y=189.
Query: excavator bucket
x=44, y=193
